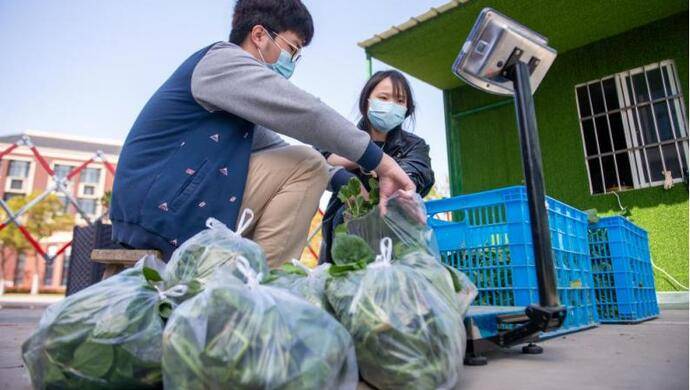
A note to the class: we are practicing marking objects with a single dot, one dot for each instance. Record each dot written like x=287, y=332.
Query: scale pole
x=534, y=178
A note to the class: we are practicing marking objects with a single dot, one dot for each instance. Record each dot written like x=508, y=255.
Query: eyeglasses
x=296, y=54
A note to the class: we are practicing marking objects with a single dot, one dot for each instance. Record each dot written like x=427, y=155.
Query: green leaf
x=337, y=270
x=342, y=197
x=152, y=275
x=374, y=196
x=354, y=186
x=340, y=229
x=53, y=375
x=93, y=359
x=293, y=269
x=348, y=248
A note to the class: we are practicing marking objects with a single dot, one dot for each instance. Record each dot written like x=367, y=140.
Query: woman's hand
x=340, y=161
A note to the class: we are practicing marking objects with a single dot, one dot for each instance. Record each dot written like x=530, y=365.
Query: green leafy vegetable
x=152, y=275
x=237, y=335
x=455, y=287
x=110, y=335
x=305, y=283
x=407, y=333
x=349, y=248
x=200, y=256
x=351, y=195
x=106, y=336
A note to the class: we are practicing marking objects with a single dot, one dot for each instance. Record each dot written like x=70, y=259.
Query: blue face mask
x=284, y=66
x=385, y=116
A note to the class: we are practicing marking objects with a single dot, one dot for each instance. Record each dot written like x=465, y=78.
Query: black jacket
x=408, y=150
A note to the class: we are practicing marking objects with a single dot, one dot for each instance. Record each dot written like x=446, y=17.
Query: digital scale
x=504, y=57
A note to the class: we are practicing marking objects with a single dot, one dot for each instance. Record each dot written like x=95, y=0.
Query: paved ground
x=15, y=327
x=651, y=355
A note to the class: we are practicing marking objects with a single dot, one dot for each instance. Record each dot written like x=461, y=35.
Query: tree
x=106, y=199
x=42, y=220
x=11, y=239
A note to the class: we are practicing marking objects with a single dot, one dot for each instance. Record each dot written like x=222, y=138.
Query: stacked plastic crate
x=623, y=276
x=489, y=238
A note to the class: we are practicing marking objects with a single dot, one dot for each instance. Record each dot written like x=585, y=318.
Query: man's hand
x=392, y=179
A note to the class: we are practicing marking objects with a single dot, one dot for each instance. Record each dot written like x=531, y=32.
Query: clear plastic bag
x=407, y=332
x=404, y=222
x=106, y=336
x=199, y=257
x=414, y=243
x=239, y=334
x=299, y=279
x=456, y=287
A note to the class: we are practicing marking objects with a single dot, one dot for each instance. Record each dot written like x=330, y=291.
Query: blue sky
x=87, y=67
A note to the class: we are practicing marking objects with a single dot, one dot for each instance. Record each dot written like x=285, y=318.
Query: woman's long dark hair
x=400, y=87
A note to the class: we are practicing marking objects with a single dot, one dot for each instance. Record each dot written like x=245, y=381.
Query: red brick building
x=21, y=175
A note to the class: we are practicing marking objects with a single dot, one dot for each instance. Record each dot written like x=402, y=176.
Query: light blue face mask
x=385, y=116
x=284, y=66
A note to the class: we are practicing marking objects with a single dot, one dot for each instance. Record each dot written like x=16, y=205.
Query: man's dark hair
x=275, y=15
x=401, y=87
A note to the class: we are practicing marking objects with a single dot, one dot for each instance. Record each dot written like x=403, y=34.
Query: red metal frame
x=14, y=217
x=311, y=237
x=98, y=157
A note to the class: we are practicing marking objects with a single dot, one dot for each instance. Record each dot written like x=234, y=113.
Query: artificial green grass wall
x=486, y=142
x=427, y=50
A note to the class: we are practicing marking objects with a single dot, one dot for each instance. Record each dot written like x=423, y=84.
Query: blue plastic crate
x=490, y=240
x=623, y=276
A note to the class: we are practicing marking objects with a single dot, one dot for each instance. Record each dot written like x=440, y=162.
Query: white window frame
x=629, y=111
x=72, y=164
x=99, y=190
x=28, y=181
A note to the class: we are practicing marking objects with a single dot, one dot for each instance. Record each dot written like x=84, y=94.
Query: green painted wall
x=484, y=151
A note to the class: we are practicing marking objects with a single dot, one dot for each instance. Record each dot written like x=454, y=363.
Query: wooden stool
x=116, y=260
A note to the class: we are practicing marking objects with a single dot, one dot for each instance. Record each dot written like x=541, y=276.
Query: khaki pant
x=284, y=186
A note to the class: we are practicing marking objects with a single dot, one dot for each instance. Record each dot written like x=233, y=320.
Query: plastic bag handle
x=386, y=248
x=248, y=272
x=245, y=220
x=175, y=291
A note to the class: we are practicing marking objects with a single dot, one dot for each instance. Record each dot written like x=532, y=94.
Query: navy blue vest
x=179, y=166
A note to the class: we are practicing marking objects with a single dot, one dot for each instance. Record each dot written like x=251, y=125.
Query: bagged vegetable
x=404, y=221
x=414, y=242
x=454, y=285
x=302, y=281
x=240, y=334
x=106, y=336
x=198, y=257
x=407, y=333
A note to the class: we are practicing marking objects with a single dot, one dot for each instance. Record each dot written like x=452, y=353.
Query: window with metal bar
x=90, y=175
x=62, y=170
x=634, y=129
x=48, y=274
x=19, y=270
x=18, y=168
x=89, y=206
